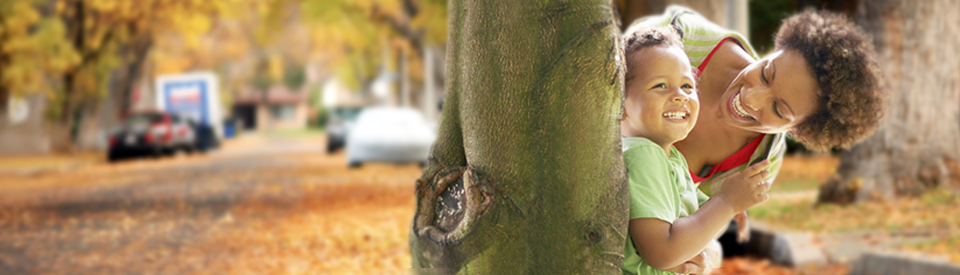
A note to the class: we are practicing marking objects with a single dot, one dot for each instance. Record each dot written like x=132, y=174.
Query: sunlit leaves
x=31, y=48
x=43, y=41
x=356, y=34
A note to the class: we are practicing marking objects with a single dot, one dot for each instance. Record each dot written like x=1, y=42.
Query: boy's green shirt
x=660, y=188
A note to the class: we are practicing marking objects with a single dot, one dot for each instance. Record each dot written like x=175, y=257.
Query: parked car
x=151, y=133
x=389, y=134
x=339, y=123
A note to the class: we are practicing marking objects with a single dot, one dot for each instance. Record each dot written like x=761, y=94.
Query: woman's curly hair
x=843, y=61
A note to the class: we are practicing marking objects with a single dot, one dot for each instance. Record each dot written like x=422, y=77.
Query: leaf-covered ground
x=283, y=206
x=928, y=225
x=293, y=213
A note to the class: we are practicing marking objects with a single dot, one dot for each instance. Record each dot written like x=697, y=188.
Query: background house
x=277, y=108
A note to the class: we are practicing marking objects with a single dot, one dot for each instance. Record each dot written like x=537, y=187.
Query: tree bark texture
x=917, y=145
x=526, y=175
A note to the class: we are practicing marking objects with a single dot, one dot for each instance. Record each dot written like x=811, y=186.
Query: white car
x=389, y=134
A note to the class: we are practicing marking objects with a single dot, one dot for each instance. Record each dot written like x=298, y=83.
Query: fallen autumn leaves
x=293, y=214
x=290, y=213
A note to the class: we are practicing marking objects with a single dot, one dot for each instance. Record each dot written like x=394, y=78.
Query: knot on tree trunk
x=450, y=204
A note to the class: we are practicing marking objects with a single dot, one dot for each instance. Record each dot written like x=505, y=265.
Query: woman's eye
x=763, y=74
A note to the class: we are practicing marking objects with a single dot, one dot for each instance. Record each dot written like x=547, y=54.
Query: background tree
x=526, y=175
x=917, y=147
x=70, y=50
x=33, y=48
x=355, y=35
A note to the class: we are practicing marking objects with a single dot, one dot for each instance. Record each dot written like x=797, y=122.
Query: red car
x=151, y=133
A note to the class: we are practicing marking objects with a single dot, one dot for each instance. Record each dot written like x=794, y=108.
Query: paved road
x=259, y=206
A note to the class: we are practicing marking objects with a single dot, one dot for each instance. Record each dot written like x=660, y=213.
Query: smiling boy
x=671, y=221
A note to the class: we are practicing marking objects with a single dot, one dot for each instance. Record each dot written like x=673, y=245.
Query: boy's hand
x=703, y=263
x=712, y=256
x=694, y=266
x=746, y=188
x=743, y=230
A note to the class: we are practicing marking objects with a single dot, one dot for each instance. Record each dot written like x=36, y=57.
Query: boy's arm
x=664, y=245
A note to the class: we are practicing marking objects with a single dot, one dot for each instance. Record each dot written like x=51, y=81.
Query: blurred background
x=285, y=136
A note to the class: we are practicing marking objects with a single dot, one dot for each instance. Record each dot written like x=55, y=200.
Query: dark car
x=339, y=123
x=151, y=133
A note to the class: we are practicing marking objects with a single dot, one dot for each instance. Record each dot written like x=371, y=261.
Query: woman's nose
x=753, y=98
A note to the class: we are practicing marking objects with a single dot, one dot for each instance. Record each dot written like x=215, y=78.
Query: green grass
x=794, y=185
x=937, y=209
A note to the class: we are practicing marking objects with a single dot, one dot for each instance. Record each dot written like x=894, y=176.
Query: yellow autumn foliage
x=85, y=40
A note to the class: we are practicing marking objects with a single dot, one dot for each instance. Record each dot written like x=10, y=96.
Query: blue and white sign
x=194, y=96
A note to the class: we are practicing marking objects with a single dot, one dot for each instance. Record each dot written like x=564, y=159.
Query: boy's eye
x=660, y=86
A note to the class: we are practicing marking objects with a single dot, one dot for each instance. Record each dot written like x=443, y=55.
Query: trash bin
x=229, y=128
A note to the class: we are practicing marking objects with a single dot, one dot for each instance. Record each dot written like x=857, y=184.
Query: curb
x=886, y=263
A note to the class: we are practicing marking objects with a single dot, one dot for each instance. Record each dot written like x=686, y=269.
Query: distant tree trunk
x=526, y=175
x=65, y=120
x=132, y=70
x=918, y=144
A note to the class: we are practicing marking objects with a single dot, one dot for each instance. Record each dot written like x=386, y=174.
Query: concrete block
x=888, y=263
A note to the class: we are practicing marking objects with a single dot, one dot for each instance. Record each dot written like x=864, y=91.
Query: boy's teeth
x=675, y=115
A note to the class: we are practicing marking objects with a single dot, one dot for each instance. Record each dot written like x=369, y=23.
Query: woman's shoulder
x=731, y=54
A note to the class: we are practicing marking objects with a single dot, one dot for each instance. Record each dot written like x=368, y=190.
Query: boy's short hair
x=645, y=37
x=648, y=37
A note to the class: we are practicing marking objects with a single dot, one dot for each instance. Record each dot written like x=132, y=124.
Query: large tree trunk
x=526, y=175
x=918, y=144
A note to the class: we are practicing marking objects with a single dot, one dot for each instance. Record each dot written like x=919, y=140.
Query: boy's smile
x=661, y=103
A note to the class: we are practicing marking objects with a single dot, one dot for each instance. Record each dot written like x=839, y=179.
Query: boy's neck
x=666, y=148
